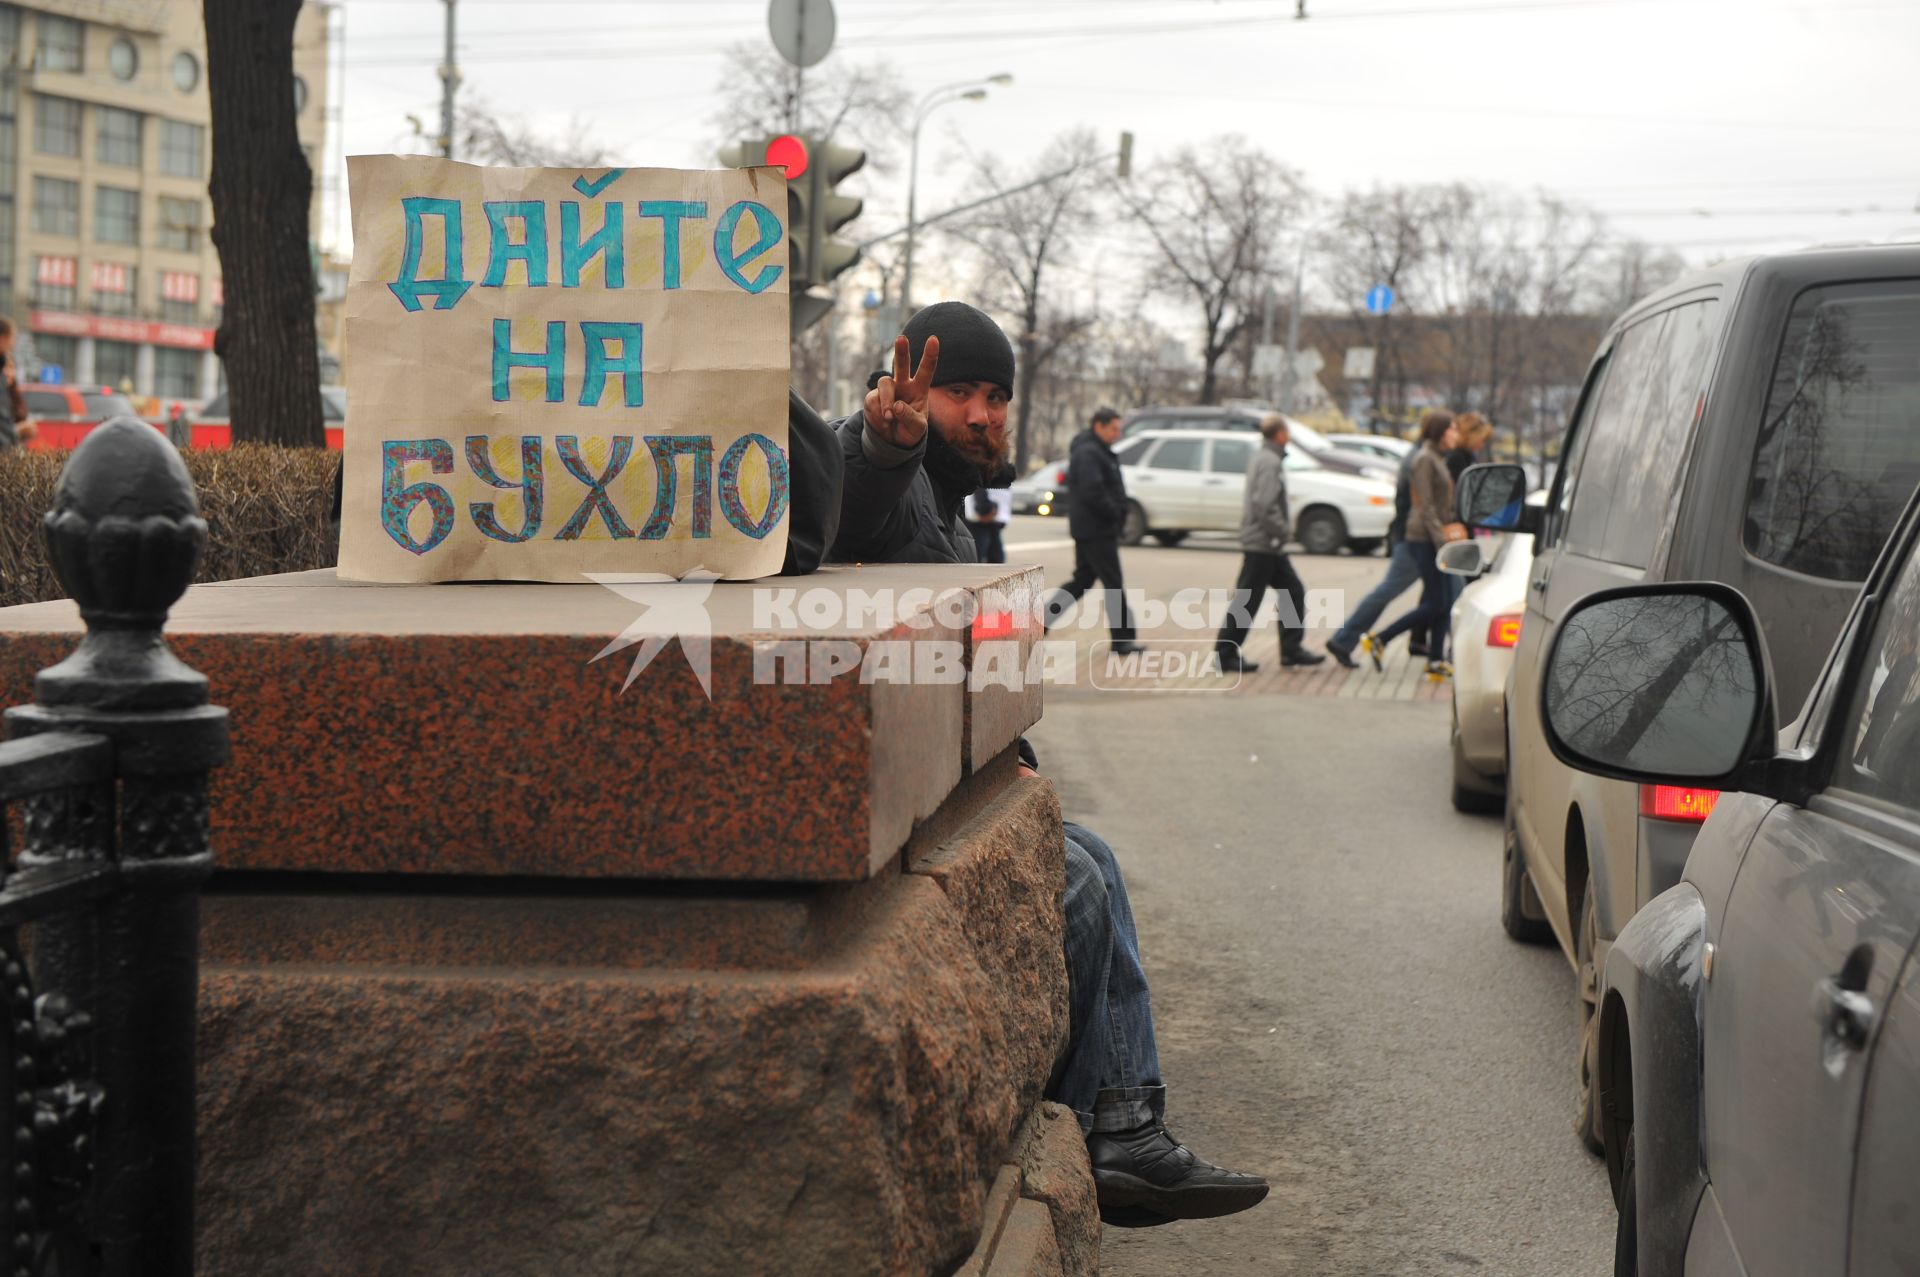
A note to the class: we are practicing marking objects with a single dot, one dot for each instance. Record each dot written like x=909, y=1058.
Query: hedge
x=266, y=509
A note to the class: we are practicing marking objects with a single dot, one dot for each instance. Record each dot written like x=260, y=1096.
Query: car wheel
x=1364, y=545
x=1321, y=531
x=1626, y=1233
x=1169, y=538
x=1520, y=913
x=1471, y=791
x=1587, y=1114
x=1134, y=530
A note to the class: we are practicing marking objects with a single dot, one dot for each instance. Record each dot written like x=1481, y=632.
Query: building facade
x=106, y=260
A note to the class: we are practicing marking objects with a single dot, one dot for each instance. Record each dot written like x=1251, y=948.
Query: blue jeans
x=1402, y=570
x=1436, y=596
x=1110, y=1075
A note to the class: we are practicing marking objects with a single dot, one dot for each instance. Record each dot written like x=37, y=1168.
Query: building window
x=56, y=206
x=113, y=363
x=63, y=43
x=54, y=296
x=179, y=225
x=176, y=372
x=116, y=215
x=115, y=286
x=116, y=136
x=55, y=350
x=123, y=59
x=183, y=149
x=56, y=126
x=186, y=72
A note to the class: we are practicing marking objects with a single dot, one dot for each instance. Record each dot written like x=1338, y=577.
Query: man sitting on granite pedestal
x=928, y=437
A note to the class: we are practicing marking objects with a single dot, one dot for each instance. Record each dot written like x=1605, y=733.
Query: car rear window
x=1839, y=448
x=46, y=403
x=103, y=406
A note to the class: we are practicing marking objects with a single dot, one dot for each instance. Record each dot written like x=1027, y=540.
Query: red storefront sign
x=57, y=272
x=140, y=331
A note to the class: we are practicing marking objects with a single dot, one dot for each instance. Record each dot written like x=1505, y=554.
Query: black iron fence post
x=110, y=1140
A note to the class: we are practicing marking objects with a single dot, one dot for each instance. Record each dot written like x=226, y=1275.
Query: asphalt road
x=1337, y=1006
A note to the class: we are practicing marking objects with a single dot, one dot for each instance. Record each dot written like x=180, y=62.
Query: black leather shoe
x=1147, y=1170
x=1126, y=649
x=1301, y=656
x=1231, y=662
x=1343, y=656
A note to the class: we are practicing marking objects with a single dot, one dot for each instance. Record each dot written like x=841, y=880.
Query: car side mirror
x=1494, y=496
x=1463, y=558
x=1660, y=684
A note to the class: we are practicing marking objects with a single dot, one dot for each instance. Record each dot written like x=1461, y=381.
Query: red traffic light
x=790, y=153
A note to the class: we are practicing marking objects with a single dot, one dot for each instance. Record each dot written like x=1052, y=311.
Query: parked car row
x=63, y=415
x=1740, y=904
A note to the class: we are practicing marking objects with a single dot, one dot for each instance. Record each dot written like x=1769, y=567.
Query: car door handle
x=1846, y=1014
x=1214, y=483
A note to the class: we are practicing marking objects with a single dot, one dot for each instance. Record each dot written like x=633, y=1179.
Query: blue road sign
x=52, y=374
x=1379, y=299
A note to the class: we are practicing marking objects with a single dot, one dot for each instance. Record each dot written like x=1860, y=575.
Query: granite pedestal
x=513, y=966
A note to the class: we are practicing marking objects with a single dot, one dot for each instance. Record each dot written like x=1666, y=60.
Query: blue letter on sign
x=553, y=359
x=480, y=461
x=397, y=501
x=452, y=284
x=575, y=254
x=767, y=228
x=777, y=486
x=568, y=447
x=532, y=249
x=666, y=449
x=670, y=212
x=598, y=335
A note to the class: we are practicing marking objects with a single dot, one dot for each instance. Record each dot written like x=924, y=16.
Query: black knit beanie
x=972, y=347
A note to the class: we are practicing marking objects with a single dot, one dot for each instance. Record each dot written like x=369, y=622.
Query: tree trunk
x=262, y=191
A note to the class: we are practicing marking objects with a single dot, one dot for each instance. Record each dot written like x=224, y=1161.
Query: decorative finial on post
x=125, y=535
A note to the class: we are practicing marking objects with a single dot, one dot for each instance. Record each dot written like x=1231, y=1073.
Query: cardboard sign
x=553, y=372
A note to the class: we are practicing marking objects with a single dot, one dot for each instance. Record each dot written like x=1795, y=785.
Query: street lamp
x=968, y=90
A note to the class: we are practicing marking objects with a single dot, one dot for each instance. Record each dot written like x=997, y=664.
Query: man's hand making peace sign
x=897, y=405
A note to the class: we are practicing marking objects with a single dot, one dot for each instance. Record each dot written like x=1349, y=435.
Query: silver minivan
x=1756, y=424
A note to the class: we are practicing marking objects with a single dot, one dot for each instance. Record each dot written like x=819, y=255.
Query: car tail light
x=1504, y=631
x=1677, y=802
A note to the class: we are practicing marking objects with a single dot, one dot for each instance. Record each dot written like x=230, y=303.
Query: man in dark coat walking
x=926, y=438
x=1265, y=528
x=1096, y=516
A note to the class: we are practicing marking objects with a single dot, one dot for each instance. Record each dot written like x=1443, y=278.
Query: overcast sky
x=1713, y=126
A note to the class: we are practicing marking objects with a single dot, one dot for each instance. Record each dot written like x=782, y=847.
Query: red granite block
x=532, y=1117
x=467, y=729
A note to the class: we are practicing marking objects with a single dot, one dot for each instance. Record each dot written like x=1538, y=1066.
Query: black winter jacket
x=1096, y=490
x=892, y=510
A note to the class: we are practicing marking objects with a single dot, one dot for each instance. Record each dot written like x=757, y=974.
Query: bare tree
x=484, y=136
x=262, y=191
x=859, y=104
x=1215, y=217
x=1380, y=237
x=1021, y=238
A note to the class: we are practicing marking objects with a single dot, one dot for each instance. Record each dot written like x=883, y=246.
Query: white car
x=1391, y=449
x=1181, y=481
x=1486, y=629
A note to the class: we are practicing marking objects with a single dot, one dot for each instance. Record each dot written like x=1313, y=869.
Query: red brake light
x=1504, y=631
x=1677, y=802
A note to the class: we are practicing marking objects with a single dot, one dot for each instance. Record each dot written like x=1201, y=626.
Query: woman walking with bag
x=1430, y=525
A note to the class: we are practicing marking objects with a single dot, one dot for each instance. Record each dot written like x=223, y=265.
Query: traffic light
x=827, y=211
x=814, y=211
